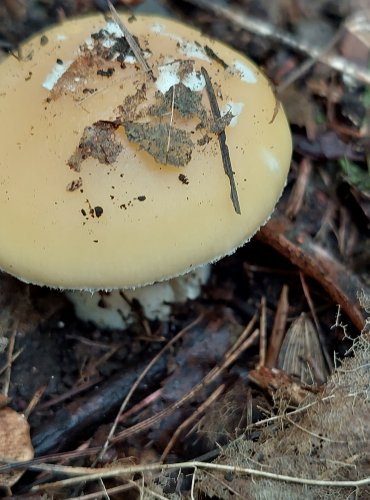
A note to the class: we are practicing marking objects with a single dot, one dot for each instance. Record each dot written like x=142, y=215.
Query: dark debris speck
x=183, y=179
x=98, y=211
x=105, y=72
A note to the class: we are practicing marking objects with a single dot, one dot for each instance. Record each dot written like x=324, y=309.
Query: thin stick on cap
x=222, y=140
x=138, y=53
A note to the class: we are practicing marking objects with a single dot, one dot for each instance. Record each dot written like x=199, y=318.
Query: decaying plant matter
x=235, y=395
x=325, y=439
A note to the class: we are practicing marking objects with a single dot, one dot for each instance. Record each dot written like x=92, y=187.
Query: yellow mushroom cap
x=112, y=179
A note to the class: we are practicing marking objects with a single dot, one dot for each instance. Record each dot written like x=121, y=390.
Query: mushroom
x=112, y=165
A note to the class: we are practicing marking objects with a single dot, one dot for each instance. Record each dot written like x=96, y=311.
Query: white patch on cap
x=109, y=42
x=246, y=73
x=191, y=49
x=130, y=59
x=60, y=37
x=109, y=39
x=113, y=29
x=235, y=108
x=157, y=28
x=89, y=43
x=167, y=76
x=57, y=71
x=270, y=159
x=112, y=33
x=194, y=81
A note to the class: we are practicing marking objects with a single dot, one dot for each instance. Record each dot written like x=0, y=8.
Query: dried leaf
x=279, y=384
x=301, y=355
x=327, y=439
x=15, y=443
x=301, y=109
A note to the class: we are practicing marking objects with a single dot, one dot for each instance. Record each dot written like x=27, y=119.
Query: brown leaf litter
x=15, y=443
x=326, y=438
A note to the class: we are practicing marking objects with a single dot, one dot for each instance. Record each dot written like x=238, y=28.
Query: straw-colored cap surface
x=112, y=179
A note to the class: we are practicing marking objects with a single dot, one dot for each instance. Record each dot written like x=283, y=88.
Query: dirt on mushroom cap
x=87, y=90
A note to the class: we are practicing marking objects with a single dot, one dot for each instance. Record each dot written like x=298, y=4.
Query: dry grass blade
x=131, y=41
x=109, y=491
x=297, y=196
x=278, y=328
x=263, y=333
x=9, y=361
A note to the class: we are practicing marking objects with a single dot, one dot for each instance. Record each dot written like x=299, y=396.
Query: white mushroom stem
x=112, y=309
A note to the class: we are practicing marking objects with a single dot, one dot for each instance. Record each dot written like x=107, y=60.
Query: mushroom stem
x=117, y=309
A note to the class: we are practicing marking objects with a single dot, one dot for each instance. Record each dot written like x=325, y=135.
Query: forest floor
x=264, y=392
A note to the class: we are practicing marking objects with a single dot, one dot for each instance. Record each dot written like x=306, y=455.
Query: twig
x=8, y=363
x=276, y=418
x=262, y=28
x=341, y=284
x=104, y=489
x=224, y=483
x=201, y=409
x=244, y=335
x=92, y=367
x=99, y=494
x=139, y=313
x=210, y=377
x=263, y=334
x=70, y=393
x=298, y=193
x=222, y=141
x=70, y=420
x=139, y=379
x=34, y=401
x=278, y=328
x=192, y=497
x=91, y=343
x=131, y=41
x=9, y=465
x=305, y=67
x=9, y=358
x=38, y=463
x=149, y=400
x=318, y=436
